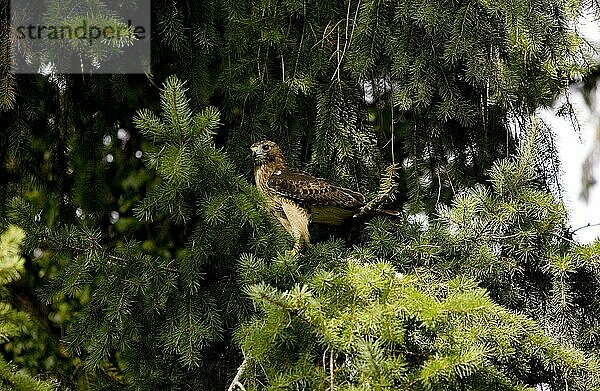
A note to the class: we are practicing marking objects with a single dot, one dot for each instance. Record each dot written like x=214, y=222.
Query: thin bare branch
x=235, y=383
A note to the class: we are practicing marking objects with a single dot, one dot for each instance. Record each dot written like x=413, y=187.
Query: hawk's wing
x=306, y=188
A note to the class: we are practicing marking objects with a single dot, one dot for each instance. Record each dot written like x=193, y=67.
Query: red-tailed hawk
x=296, y=198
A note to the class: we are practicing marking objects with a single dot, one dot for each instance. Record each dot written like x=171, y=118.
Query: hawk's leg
x=296, y=223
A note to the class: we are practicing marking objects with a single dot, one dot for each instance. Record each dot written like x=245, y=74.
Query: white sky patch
x=573, y=148
x=588, y=25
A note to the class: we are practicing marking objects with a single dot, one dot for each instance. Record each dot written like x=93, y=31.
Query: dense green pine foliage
x=12, y=321
x=170, y=312
x=152, y=264
x=357, y=321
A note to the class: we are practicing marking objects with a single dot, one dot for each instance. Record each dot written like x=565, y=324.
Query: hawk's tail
x=387, y=187
x=388, y=212
x=372, y=209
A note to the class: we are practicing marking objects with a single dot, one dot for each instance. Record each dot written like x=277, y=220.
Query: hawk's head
x=266, y=151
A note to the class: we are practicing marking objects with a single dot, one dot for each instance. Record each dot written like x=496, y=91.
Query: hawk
x=297, y=198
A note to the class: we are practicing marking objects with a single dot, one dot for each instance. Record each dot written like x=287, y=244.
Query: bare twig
x=347, y=42
x=326, y=34
x=110, y=256
x=235, y=383
x=585, y=226
x=565, y=239
x=331, y=369
x=392, y=121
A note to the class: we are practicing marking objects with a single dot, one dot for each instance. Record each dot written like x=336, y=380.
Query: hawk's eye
x=266, y=147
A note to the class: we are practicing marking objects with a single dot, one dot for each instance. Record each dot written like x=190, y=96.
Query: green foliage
x=13, y=322
x=512, y=238
x=364, y=326
x=169, y=299
x=12, y=262
x=144, y=234
x=62, y=45
x=356, y=322
x=444, y=79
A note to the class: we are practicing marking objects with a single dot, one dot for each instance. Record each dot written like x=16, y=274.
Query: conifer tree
x=152, y=264
x=403, y=311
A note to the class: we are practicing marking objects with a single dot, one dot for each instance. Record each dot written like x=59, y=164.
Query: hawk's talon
x=296, y=250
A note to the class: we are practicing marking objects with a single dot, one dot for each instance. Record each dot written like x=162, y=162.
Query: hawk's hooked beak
x=261, y=151
x=255, y=153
